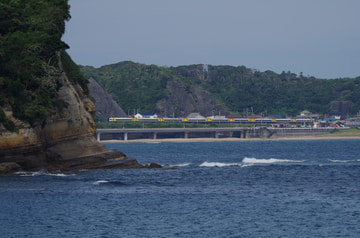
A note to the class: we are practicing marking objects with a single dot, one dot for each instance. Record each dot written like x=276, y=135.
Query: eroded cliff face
x=105, y=104
x=46, y=119
x=184, y=99
x=64, y=141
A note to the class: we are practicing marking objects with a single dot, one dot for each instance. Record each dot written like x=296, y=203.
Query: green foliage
x=133, y=86
x=73, y=72
x=241, y=89
x=355, y=132
x=30, y=37
x=2, y=115
x=8, y=124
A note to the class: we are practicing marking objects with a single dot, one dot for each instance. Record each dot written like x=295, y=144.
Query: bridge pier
x=186, y=134
x=155, y=136
x=243, y=134
x=125, y=136
x=217, y=134
x=98, y=136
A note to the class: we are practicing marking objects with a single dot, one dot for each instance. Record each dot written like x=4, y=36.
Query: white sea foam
x=340, y=161
x=60, y=175
x=27, y=173
x=100, y=182
x=247, y=165
x=38, y=173
x=344, y=161
x=180, y=165
x=247, y=160
x=218, y=164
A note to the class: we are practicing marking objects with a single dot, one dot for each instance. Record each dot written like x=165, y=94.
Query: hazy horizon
x=317, y=38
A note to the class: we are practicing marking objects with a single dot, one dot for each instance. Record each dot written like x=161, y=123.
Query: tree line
x=240, y=89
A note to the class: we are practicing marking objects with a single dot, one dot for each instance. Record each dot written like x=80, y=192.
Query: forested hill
x=239, y=89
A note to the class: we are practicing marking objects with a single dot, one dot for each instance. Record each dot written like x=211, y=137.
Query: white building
x=146, y=116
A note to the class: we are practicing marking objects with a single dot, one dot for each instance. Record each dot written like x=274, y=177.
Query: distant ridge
x=222, y=90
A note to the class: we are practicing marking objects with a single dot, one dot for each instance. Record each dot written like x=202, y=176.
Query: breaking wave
x=343, y=161
x=218, y=164
x=40, y=173
x=100, y=182
x=247, y=160
x=180, y=165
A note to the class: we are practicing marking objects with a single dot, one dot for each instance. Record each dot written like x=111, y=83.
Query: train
x=302, y=121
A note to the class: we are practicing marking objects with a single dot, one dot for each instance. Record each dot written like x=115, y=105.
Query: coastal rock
x=154, y=166
x=64, y=141
x=9, y=168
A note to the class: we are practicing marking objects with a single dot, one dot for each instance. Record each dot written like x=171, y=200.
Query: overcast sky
x=320, y=38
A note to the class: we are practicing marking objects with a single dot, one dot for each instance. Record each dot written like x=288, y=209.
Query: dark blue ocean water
x=220, y=189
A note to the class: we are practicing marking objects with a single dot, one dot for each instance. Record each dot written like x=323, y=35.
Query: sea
x=299, y=188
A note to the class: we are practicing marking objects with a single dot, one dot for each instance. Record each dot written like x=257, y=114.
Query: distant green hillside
x=286, y=93
x=132, y=85
x=239, y=89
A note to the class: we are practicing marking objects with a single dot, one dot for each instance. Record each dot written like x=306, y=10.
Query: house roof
x=195, y=115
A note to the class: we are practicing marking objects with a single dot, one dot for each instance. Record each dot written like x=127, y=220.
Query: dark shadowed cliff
x=105, y=105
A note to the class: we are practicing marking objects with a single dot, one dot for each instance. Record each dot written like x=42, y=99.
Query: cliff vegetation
x=46, y=115
x=30, y=36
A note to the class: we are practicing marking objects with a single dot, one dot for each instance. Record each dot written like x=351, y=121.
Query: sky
x=319, y=38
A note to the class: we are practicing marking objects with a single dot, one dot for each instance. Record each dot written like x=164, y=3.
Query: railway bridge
x=224, y=132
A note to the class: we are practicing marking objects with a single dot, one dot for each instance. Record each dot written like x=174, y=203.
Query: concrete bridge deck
x=238, y=132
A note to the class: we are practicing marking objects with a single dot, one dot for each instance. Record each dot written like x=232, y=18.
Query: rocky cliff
x=46, y=115
x=105, y=104
x=184, y=99
x=63, y=141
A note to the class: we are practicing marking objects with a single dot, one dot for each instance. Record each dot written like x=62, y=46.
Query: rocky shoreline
x=107, y=160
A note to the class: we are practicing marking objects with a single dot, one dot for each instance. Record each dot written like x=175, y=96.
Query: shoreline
x=175, y=140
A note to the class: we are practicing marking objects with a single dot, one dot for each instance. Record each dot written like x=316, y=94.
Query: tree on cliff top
x=30, y=37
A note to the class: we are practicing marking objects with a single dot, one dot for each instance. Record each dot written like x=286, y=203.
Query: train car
x=245, y=120
x=120, y=119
